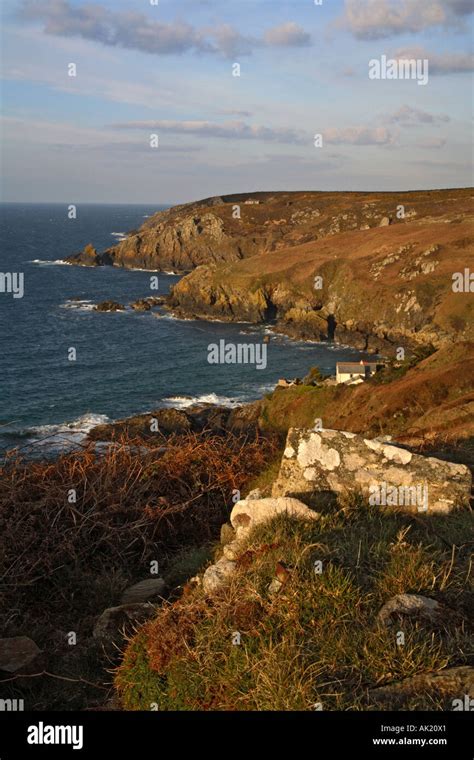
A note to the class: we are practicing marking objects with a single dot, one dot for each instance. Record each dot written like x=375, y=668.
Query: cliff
x=385, y=263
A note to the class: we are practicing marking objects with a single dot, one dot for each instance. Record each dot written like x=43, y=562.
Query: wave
x=78, y=305
x=119, y=235
x=55, y=438
x=57, y=262
x=182, y=402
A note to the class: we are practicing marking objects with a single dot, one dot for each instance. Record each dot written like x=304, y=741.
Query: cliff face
x=385, y=261
x=377, y=289
x=233, y=227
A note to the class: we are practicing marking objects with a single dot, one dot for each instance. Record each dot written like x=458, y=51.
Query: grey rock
x=411, y=605
x=143, y=591
x=458, y=683
x=218, y=575
x=116, y=622
x=17, y=653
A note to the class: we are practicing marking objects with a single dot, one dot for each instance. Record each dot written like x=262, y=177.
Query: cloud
x=136, y=31
x=233, y=130
x=235, y=112
x=359, y=136
x=408, y=116
x=239, y=130
x=429, y=143
x=449, y=63
x=286, y=35
x=376, y=19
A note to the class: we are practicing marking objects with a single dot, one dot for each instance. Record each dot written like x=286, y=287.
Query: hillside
x=233, y=227
x=379, y=288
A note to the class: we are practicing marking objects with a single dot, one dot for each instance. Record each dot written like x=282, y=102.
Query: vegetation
x=317, y=640
x=78, y=530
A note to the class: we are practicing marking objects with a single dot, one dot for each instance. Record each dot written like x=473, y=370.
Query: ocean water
x=126, y=362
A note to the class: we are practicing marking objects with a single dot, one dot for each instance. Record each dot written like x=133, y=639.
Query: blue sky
x=167, y=69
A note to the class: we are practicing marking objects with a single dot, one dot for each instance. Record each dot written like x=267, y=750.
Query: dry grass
x=62, y=561
x=317, y=640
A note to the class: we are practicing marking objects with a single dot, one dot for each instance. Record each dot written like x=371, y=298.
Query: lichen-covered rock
x=330, y=462
x=248, y=513
x=218, y=575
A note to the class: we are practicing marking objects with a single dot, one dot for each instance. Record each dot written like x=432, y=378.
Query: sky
x=167, y=68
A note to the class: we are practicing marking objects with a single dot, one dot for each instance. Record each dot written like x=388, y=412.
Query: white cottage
x=354, y=372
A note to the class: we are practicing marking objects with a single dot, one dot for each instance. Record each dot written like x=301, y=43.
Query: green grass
x=317, y=639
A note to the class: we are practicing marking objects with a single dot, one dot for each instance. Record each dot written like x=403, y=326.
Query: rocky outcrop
x=324, y=266
x=318, y=466
x=454, y=683
x=199, y=418
x=109, y=306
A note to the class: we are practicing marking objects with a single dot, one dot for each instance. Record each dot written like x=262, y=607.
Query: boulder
x=317, y=466
x=385, y=221
x=144, y=591
x=250, y=512
x=17, y=653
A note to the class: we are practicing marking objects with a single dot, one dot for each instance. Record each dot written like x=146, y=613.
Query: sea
x=125, y=362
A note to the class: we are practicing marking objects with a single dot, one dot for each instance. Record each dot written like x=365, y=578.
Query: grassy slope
x=317, y=640
x=431, y=402
x=362, y=285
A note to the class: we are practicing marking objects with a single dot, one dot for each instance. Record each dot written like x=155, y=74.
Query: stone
x=233, y=550
x=250, y=512
x=457, y=682
x=17, y=653
x=412, y=605
x=275, y=586
x=116, y=622
x=218, y=575
x=227, y=534
x=385, y=221
x=109, y=306
x=143, y=591
x=319, y=465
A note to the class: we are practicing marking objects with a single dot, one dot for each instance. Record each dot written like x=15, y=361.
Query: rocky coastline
x=370, y=270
